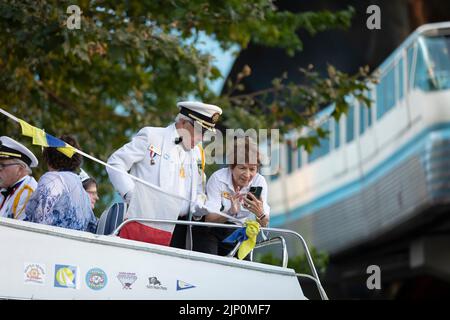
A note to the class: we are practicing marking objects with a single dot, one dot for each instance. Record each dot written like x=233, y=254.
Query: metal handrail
x=235, y=249
x=192, y=223
x=272, y=241
x=266, y=242
x=221, y=225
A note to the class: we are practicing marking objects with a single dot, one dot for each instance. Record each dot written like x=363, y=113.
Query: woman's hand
x=235, y=202
x=256, y=206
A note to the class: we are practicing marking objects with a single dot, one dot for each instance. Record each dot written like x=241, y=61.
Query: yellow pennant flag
x=37, y=134
x=27, y=129
x=67, y=150
x=40, y=138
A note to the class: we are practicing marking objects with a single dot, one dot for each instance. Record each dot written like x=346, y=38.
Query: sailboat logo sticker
x=181, y=285
x=66, y=276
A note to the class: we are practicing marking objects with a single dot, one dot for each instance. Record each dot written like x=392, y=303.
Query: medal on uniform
x=182, y=173
x=152, y=156
x=153, y=151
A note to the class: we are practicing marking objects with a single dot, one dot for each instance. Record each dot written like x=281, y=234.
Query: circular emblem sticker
x=96, y=279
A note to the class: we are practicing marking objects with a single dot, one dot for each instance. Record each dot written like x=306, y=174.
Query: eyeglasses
x=3, y=166
x=93, y=193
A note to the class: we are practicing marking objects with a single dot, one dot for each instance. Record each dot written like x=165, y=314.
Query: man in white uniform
x=165, y=157
x=16, y=182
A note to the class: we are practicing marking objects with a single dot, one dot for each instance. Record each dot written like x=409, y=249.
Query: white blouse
x=219, y=190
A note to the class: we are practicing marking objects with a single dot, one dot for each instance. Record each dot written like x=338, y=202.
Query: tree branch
x=54, y=97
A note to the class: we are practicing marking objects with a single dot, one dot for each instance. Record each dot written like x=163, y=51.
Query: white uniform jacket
x=158, y=144
x=14, y=204
x=219, y=190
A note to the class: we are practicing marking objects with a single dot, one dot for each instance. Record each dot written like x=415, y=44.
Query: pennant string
x=28, y=130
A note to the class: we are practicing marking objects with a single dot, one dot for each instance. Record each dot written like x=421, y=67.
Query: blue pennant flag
x=238, y=235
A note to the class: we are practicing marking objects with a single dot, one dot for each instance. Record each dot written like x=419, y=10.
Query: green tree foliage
x=131, y=61
x=299, y=263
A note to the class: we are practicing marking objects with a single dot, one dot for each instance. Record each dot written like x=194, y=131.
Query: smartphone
x=256, y=192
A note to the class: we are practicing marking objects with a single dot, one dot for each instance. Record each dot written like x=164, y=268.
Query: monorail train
x=382, y=166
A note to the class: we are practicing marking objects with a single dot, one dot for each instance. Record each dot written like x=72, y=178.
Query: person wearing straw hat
x=16, y=182
x=167, y=158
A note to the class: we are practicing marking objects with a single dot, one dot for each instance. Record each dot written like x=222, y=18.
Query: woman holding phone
x=238, y=190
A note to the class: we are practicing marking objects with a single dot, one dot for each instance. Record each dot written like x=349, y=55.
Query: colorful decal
x=96, y=279
x=127, y=279
x=154, y=283
x=34, y=273
x=181, y=285
x=66, y=276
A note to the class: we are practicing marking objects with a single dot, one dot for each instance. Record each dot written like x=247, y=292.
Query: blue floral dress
x=60, y=200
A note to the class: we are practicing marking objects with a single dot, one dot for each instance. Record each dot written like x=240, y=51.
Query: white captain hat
x=207, y=115
x=11, y=149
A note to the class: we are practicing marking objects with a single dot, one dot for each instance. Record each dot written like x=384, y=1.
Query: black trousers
x=209, y=240
x=179, y=234
x=204, y=239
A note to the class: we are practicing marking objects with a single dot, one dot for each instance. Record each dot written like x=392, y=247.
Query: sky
x=223, y=60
